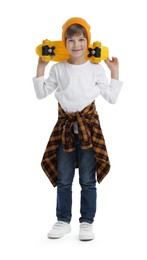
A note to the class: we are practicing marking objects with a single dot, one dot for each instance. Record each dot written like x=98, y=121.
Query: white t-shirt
x=76, y=86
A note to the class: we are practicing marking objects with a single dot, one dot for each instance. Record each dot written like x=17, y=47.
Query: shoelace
x=86, y=226
x=58, y=224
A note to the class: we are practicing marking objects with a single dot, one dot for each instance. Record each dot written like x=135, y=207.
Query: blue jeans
x=87, y=180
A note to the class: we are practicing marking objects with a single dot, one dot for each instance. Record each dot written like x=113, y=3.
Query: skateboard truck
x=48, y=51
x=96, y=52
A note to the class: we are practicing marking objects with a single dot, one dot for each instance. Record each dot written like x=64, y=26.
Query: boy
x=77, y=139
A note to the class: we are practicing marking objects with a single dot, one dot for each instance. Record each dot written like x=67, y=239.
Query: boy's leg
x=87, y=178
x=66, y=170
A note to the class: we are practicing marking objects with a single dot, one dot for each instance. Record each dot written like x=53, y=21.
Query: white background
x=27, y=199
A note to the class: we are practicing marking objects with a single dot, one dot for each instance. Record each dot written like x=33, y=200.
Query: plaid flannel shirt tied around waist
x=90, y=136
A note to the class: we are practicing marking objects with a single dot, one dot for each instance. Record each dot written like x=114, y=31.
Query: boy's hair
x=75, y=29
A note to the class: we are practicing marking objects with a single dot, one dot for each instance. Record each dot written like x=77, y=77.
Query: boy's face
x=76, y=46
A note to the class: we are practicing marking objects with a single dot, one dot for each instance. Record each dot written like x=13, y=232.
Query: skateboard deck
x=56, y=51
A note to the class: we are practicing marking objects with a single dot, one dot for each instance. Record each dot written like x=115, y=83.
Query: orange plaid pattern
x=90, y=136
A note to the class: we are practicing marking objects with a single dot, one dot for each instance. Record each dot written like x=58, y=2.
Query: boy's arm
x=110, y=91
x=43, y=87
x=113, y=65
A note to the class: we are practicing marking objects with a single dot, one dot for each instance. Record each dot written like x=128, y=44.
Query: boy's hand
x=42, y=63
x=41, y=67
x=113, y=65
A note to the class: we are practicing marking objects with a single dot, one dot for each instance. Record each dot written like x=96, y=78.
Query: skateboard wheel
x=97, y=44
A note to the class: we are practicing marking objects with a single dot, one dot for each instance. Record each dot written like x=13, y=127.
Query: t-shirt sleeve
x=44, y=87
x=109, y=90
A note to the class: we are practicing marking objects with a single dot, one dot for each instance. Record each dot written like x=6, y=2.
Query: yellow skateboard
x=56, y=51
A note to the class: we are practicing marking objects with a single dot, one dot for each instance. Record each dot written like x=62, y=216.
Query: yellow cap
x=76, y=20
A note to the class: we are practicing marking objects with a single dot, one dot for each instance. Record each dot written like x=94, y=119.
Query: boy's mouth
x=76, y=50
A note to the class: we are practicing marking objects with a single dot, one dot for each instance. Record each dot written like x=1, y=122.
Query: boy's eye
x=81, y=40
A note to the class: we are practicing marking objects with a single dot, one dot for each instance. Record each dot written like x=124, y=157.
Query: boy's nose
x=76, y=43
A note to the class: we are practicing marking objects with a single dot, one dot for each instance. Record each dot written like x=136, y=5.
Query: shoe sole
x=86, y=239
x=55, y=236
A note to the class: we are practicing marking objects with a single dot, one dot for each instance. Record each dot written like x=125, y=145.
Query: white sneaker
x=86, y=231
x=59, y=229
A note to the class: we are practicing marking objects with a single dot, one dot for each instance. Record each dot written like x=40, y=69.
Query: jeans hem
x=64, y=220
x=85, y=220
